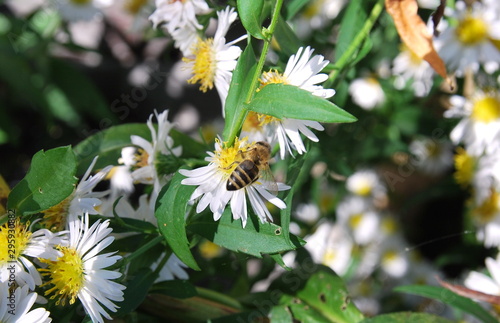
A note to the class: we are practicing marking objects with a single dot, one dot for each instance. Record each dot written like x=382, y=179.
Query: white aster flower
x=82, y=200
x=432, y=157
x=79, y=272
x=317, y=14
x=15, y=306
x=484, y=283
x=409, y=68
x=474, y=41
x=75, y=10
x=144, y=160
x=212, y=60
x=302, y=70
x=367, y=92
x=479, y=127
x=16, y=253
x=366, y=183
x=394, y=257
x=173, y=268
x=486, y=215
x=307, y=212
x=363, y=222
x=173, y=14
x=332, y=246
x=212, y=185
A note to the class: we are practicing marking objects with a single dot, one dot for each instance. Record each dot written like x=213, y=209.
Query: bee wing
x=268, y=181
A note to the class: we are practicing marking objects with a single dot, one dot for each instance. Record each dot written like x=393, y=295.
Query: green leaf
x=50, y=179
x=315, y=293
x=288, y=101
x=136, y=291
x=404, y=317
x=286, y=38
x=281, y=313
x=255, y=239
x=448, y=297
x=240, y=84
x=352, y=22
x=170, y=212
x=292, y=7
x=175, y=288
x=250, y=12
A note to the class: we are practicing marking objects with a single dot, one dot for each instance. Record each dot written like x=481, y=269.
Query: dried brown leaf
x=470, y=293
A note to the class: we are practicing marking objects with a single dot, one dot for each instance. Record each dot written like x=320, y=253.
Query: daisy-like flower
x=82, y=200
x=316, y=15
x=212, y=185
x=486, y=215
x=174, y=14
x=356, y=214
x=145, y=160
x=75, y=10
x=484, y=283
x=408, y=67
x=366, y=183
x=212, y=60
x=302, y=70
x=367, y=92
x=79, y=272
x=479, y=128
x=432, y=157
x=474, y=41
x=22, y=301
x=19, y=244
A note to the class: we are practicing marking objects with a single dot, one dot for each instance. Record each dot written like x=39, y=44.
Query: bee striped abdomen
x=244, y=174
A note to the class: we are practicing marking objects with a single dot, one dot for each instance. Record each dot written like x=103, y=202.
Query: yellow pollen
x=65, y=276
x=364, y=189
x=141, y=158
x=80, y=2
x=14, y=238
x=485, y=212
x=271, y=77
x=204, y=65
x=133, y=6
x=229, y=157
x=313, y=9
x=209, y=250
x=389, y=256
x=471, y=31
x=355, y=220
x=54, y=218
x=464, y=165
x=329, y=257
x=486, y=109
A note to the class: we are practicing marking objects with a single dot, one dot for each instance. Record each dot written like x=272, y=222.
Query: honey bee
x=254, y=166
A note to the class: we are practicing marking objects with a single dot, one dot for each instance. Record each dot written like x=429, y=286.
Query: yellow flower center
x=485, y=212
x=414, y=59
x=141, y=158
x=471, y=31
x=433, y=149
x=271, y=77
x=389, y=225
x=4, y=193
x=389, y=256
x=204, y=64
x=209, y=250
x=228, y=157
x=355, y=220
x=312, y=9
x=486, y=109
x=465, y=165
x=14, y=238
x=80, y=2
x=133, y=6
x=65, y=274
x=329, y=257
x=54, y=218
x=364, y=188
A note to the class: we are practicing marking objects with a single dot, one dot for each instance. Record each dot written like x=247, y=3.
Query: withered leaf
x=470, y=293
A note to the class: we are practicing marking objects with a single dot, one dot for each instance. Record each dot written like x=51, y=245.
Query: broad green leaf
x=352, y=22
x=250, y=12
x=287, y=40
x=175, y=288
x=170, y=212
x=292, y=7
x=404, y=317
x=136, y=291
x=45, y=22
x=255, y=239
x=448, y=297
x=288, y=101
x=280, y=313
x=240, y=84
x=50, y=179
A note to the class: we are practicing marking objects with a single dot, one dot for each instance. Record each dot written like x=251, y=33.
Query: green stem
x=140, y=251
x=242, y=113
x=346, y=57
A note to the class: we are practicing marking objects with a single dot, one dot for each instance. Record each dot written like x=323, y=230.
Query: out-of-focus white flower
x=22, y=300
x=393, y=257
x=74, y=10
x=356, y=214
x=432, y=157
x=479, y=127
x=483, y=283
x=302, y=70
x=308, y=213
x=316, y=15
x=486, y=216
x=367, y=92
x=474, y=41
x=212, y=185
x=173, y=14
x=408, y=67
x=366, y=183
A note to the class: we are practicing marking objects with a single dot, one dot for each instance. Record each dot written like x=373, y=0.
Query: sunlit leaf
x=250, y=12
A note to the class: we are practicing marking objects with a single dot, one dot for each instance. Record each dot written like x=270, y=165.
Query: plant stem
x=346, y=57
